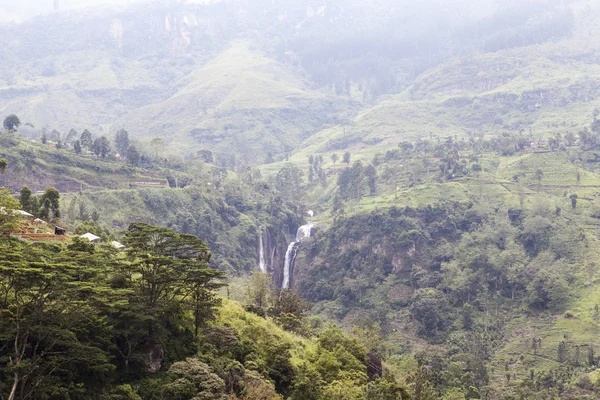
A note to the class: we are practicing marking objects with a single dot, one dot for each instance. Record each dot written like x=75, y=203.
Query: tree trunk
x=11, y=396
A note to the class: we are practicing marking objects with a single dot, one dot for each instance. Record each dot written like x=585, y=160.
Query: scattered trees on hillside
x=351, y=181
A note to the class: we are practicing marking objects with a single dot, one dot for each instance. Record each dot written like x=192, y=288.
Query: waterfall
x=261, y=256
x=290, y=255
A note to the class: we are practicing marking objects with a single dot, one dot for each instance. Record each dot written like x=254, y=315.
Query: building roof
x=20, y=212
x=90, y=236
x=117, y=245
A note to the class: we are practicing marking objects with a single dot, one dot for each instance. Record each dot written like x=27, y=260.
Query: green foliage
x=25, y=199
x=122, y=141
x=346, y=157
x=289, y=182
x=9, y=219
x=50, y=205
x=192, y=379
x=101, y=147
x=133, y=156
x=86, y=139
x=11, y=123
x=258, y=290
x=77, y=147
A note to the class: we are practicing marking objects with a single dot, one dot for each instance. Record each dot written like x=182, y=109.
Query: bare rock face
x=155, y=359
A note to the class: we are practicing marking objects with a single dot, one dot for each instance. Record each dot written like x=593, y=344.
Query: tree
x=371, y=174
x=49, y=320
x=356, y=180
x=9, y=220
x=573, y=198
x=25, y=199
x=157, y=143
x=71, y=135
x=44, y=138
x=289, y=182
x=3, y=165
x=257, y=293
x=50, y=204
x=168, y=269
x=346, y=158
x=193, y=379
x=133, y=156
x=101, y=147
x=539, y=175
x=386, y=389
x=288, y=309
x=122, y=141
x=421, y=386
x=77, y=147
x=11, y=123
x=334, y=158
x=86, y=140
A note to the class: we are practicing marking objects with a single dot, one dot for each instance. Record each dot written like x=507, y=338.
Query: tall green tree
x=25, y=199
x=101, y=147
x=11, y=123
x=9, y=220
x=167, y=270
x=50, y=204
x=122, y=141
x=86, y=140
x=346, y=158
x=371, y=175
x=133, y=156
x=289, y=181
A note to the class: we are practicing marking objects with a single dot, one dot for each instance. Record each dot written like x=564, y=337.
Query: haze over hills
x=138, y=68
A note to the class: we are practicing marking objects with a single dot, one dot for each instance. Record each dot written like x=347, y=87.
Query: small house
x=117, y=245
x=91, y=237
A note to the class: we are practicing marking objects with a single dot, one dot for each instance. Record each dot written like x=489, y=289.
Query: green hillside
x=425, y=176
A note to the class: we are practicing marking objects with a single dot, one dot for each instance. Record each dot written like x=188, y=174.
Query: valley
x=337, y=201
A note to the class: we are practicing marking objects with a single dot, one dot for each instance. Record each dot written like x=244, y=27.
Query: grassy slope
x=240, y=101
x=38, y=166
x=545, y=89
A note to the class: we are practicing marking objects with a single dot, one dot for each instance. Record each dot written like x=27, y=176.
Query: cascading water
x=261, y=256
x=290, y=255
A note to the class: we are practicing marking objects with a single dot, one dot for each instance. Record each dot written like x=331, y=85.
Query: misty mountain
x=153, y=68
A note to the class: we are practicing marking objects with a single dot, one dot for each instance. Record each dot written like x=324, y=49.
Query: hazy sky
x=14, y=10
